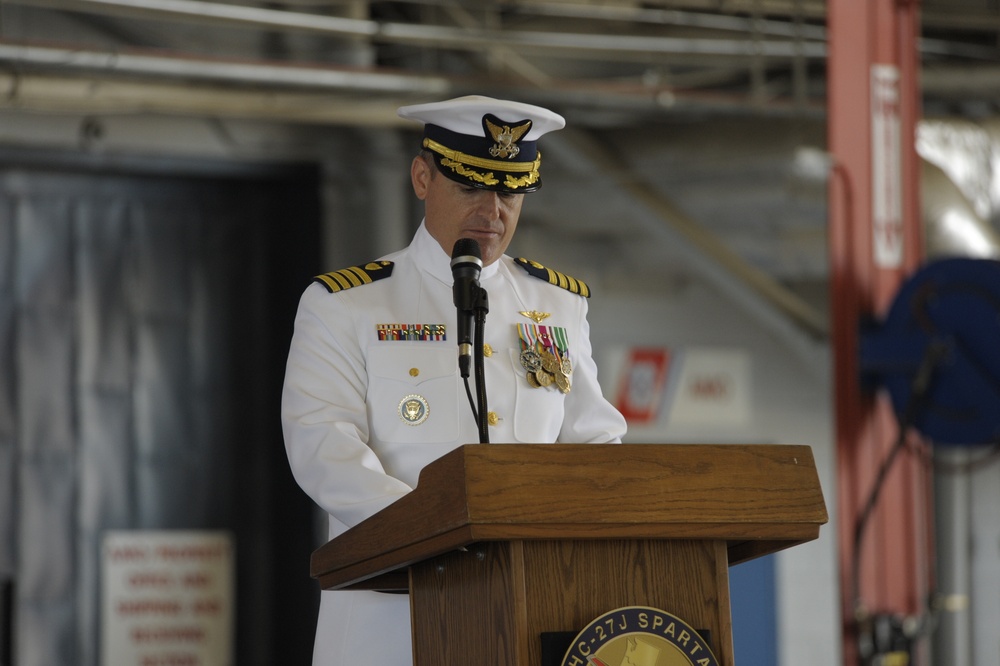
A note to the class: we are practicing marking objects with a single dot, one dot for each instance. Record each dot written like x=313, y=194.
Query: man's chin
x=490, y=248
x=490, y=253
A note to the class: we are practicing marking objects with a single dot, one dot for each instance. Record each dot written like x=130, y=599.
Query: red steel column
x=875, y=242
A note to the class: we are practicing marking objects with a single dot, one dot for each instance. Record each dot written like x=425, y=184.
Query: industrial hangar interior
x=173, y=173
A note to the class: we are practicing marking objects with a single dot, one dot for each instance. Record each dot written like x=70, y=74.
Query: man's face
x=455, y=211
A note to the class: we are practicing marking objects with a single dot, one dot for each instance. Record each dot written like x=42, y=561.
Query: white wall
x=791, y=404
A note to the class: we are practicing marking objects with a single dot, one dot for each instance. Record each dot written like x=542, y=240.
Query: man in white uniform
x=372, y=388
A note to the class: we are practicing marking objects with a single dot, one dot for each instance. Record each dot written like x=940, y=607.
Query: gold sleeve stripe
x=568, y=283
x=554, y=277
x=332, y=282
x=557, y=278
x=357, y=276
x=345, y=279
x=354, y=276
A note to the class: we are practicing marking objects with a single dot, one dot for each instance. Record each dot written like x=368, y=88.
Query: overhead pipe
x=271, y=78
x=256, y=73
x=581, y=44
x=802, y=40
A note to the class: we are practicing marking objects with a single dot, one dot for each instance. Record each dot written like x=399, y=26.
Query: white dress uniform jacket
x=351, y=450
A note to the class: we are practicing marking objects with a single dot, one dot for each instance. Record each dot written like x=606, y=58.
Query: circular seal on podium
x=639, y=636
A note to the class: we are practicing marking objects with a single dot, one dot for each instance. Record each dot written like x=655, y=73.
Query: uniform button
x=487, y=350
x=414, y=372
x=492, y=418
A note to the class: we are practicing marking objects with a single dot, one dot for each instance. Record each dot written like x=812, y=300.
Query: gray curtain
x=131, y=333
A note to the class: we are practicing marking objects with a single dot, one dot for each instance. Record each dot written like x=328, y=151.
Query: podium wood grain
x=499, y=543
x=757, y=498
x=560, y=586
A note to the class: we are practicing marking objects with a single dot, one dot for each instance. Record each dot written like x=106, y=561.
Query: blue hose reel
x=937, y=352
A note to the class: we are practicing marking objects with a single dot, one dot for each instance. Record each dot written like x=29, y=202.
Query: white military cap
x=486, y=142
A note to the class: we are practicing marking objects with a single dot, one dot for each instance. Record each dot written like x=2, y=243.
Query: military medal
x=545, y=356
x=531, y=360
x=549, y=361
x=562, y=382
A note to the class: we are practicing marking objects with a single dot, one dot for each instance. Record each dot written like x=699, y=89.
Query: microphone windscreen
x=466, y=247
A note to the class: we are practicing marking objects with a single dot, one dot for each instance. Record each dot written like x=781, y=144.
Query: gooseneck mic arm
x=481, y=307
x=471, y=303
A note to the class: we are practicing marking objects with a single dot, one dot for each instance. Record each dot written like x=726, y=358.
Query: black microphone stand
x=480, y=306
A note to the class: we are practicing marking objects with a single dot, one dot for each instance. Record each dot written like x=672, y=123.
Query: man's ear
x=420, y=175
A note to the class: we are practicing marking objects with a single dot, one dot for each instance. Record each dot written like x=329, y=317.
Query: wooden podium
x=500, y=543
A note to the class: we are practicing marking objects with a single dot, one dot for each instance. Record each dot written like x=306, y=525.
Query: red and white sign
x=167, y=598
x=712, y=389
x=640, y=392
x=887, y=194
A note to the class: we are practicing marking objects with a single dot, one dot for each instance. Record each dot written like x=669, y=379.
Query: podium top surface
x=758, y=498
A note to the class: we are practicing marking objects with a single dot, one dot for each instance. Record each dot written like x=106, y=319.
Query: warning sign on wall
x=697, y=387
x=887, y=177
x=712, y=389
x=167, y=598
x=640, y=390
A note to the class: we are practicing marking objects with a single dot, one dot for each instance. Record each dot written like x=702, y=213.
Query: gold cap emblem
x=506, y=138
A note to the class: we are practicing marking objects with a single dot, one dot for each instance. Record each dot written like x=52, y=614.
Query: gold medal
x=530, y=360
x=549, y=361
x=563, y=383
x=545, y=355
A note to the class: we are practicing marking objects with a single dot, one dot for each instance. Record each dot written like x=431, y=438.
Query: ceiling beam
x=440, y=36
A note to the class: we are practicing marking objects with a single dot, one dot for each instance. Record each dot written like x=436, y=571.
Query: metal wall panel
x=8, y=387
x=44, y=348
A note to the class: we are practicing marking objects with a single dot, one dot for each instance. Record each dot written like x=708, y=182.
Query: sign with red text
x=167, y=598
x=887, y=176
x=712, y=388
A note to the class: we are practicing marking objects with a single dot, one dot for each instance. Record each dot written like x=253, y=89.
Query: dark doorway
x=145, y=313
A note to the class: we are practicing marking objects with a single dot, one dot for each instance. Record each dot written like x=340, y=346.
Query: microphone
x=466, y=264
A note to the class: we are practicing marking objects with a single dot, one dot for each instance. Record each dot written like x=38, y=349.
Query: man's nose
x=489, y=204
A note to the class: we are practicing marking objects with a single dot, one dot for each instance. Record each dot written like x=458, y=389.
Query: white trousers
x=363, y=627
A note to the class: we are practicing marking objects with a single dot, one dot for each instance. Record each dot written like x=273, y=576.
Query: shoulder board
x=355, y=276
x=554, y=277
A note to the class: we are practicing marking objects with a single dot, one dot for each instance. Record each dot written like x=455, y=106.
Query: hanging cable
x=920, y=388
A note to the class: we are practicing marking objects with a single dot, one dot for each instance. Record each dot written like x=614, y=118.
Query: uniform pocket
x=538, y=412
x=413, y=392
